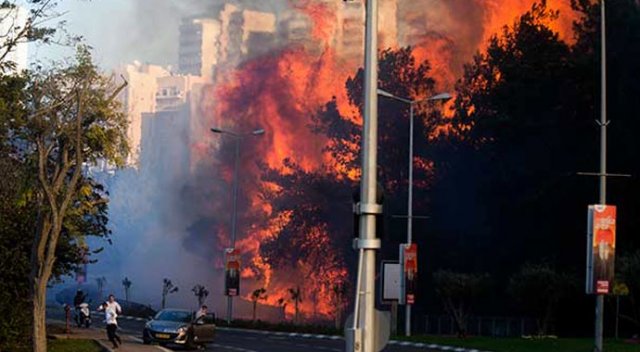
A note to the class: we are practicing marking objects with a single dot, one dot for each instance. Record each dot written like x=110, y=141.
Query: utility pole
x=603, y=158
x=407, y=307
x=364, y=322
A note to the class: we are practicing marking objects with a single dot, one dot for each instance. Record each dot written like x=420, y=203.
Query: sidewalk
x=129, y=343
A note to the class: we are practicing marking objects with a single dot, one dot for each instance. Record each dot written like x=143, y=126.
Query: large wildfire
x=281, y=90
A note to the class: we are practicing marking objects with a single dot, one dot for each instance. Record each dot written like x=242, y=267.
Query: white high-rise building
x=138, y=97
x=12, y=22
x=199, y=46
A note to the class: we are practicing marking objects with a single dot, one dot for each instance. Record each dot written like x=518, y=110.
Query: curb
x=105, y=347
x=335, y=338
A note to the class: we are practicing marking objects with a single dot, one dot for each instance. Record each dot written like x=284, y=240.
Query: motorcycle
x=83, y=315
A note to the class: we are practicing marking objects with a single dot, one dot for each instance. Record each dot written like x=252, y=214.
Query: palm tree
x=282, y=303
x=167, y=288
x=257, y=295
x=296, y=296
x=201, y=293
x=126, y=283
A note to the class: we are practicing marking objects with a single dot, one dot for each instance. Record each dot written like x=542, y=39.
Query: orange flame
x=280, y=91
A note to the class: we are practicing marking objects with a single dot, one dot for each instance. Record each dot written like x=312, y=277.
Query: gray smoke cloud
x=146, y=30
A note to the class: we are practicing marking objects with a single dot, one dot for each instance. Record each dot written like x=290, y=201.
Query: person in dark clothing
x=79, y=298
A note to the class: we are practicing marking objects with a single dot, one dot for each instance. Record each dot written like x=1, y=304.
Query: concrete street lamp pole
x=234, y=212
x=364, y=322
x=411, y=103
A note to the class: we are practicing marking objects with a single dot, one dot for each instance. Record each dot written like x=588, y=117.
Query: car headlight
x=182, y=330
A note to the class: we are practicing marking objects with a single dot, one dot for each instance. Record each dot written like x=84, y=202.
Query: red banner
x=410, y=261
x=602, y=249
x=232, y=272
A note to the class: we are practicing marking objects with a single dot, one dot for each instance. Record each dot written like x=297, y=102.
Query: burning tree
x=126, y=283
x=340, y=298
x=257, y=295
x=201, y=293
x=167, y=288
x=316, y=236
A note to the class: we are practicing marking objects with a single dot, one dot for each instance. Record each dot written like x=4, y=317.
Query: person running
x=111, y=310
x=113, y=304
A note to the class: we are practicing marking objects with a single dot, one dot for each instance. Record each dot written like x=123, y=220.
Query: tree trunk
x=255, y=306
x=39, y=294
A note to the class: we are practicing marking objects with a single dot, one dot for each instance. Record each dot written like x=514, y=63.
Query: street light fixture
x=442, y=97
x=239, y=137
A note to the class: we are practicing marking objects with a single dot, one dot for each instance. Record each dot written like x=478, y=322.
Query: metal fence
x=481, y=326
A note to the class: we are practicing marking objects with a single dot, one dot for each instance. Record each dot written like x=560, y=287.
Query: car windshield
x=174, y=315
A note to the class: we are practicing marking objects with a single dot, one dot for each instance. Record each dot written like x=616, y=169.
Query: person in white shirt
x=111, y=310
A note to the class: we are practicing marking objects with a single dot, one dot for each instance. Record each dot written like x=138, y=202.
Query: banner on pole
x=409, y=260
x=601, y=249
x=232, y=272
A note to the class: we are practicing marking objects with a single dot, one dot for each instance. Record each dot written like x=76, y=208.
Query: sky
x=121, y=31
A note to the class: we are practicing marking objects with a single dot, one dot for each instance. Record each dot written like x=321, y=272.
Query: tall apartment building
x=12, y=21
x=138, y=97
x=152, y=89
x=199, y=46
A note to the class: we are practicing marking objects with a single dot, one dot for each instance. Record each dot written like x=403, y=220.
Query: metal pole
x=369, y=208
x=234, y=219
x=407, y=322
x=603, y=159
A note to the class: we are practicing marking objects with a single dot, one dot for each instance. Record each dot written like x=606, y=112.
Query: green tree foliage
x=628, y=272
x=459, y=292
x=538, y=289
x=63, y=119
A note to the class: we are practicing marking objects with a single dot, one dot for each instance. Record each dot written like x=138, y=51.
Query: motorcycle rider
x=78, y=300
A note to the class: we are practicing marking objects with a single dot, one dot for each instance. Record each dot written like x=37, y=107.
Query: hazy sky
x=121, y=31
x=146, y=30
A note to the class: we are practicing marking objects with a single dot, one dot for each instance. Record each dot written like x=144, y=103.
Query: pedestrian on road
x=113, y=304
x=111, y=310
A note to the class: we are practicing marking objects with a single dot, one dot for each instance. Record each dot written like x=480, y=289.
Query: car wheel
x=145, y=337
x=190, y=344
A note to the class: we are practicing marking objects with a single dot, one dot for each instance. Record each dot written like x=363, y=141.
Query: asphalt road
x=243, y=341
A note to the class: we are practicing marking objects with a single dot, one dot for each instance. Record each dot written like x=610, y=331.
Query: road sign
x=391, y=278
